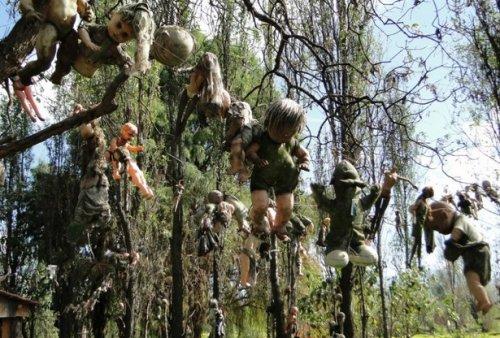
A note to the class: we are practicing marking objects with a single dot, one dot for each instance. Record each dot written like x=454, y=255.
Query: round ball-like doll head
x=294, y=310
x=172, y=45
x=326, y=221
x=128, y=131
x=284, y=118
x=120, y=30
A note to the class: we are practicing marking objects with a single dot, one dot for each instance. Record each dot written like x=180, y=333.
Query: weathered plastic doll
x=206, y=83
x=101, y=44
x=419, y=211
x=323, y=230
x=466, y=242
x=345, y=241
x=273, y=154
x=390, y=179
x=291, y=322
x=119, y=155
x=239, y=135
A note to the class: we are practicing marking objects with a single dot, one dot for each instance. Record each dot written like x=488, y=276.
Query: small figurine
x=92, y=208
x=272, y=152
x=301, y=226
x=206, y=84
x=239, y=135
x=101, y=44
x=390, y=179
x=291, y=322
x=323, y=230
x=119, y=154
x=467, y=242
x=346, y=241
x=419, y=211
x=478, y=195
x=220, y=326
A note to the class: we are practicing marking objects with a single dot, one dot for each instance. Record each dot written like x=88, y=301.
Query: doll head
x=346, y=181
x=128, y=131
x=326, y=221
x=215, y=197
x=209, y=65
x=294, y=311
x=284, y=118
x=134, y=21
x=440, y=217
x=427, y=192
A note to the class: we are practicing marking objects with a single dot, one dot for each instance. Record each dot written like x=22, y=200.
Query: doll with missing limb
x=205, y=83
x=239, y=126
x=390, y=179
x=119, y=155
x=345, y=241
x=92, y=209
x=419, y=211
x=101, y=44
x=272, y=152
x=466, y=242
x=58, y=18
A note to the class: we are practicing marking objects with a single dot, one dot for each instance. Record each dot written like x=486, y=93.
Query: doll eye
x=119, y=25
x=125, y=35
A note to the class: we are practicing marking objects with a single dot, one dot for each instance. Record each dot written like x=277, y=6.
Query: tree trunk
x=381, y=283
x=277, y=303
x=346, y=284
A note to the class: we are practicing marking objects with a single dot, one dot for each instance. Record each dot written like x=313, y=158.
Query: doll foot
x=116, y=176
x=281, y=232
x=147, y=194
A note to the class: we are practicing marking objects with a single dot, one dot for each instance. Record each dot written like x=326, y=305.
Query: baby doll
x=119, y=155
x=272, y=152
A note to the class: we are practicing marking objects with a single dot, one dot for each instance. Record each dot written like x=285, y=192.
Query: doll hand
x=139, y=148
x=304, y=166
x=261, y=163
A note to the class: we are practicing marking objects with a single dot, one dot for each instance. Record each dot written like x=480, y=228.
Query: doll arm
x=368, y=200
x=135, y=149
x=83, y=8
x=84, y=35
x=322, y=200
x=251, y=154
x=303, y=157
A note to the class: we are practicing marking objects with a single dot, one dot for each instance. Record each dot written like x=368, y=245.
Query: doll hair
x=140, y=18
x=213, y=89
x=284, y=114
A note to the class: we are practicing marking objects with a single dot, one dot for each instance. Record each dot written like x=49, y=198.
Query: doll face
x=119, y=30
x=127, y=134
x=282, y=136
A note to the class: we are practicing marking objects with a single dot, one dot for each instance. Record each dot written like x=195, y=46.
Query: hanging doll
x=323, y=230
x=478, y=194
x=466, y=242
x=300, y=227
x=172, y=45
x=101, y=44
x=419, y=211
x=491, y=192
x=465, y=205
x=390, y=179
x=292, y=328
x=57, y=18
x=256, y=241
x=119, y=155
x=272, y=152
x=239, y=135
x=205, y=83
x=92, y=208
x=346, y=241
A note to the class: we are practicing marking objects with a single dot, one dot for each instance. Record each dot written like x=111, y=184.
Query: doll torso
x=279, y=156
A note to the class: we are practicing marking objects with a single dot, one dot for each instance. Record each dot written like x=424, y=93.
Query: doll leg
x=31, y=100
x=115, y=169
x=46, y=44
x=248, y=248
x=284, y=206
x=138, y=179
x=260, y=202
x=235, y=157
x=66, y=56
x=478, y=291
x=21, y=95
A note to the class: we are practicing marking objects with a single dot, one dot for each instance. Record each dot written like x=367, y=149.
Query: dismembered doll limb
x=247, y=261
x=28, y=103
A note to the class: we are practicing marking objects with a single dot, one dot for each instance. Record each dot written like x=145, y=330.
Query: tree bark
x=381, y=284
x=277, y=305
x=346, y=284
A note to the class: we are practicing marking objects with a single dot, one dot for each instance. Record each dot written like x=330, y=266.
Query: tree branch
x=107, y=106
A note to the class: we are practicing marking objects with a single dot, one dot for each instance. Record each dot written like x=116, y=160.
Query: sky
x=470, y=165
